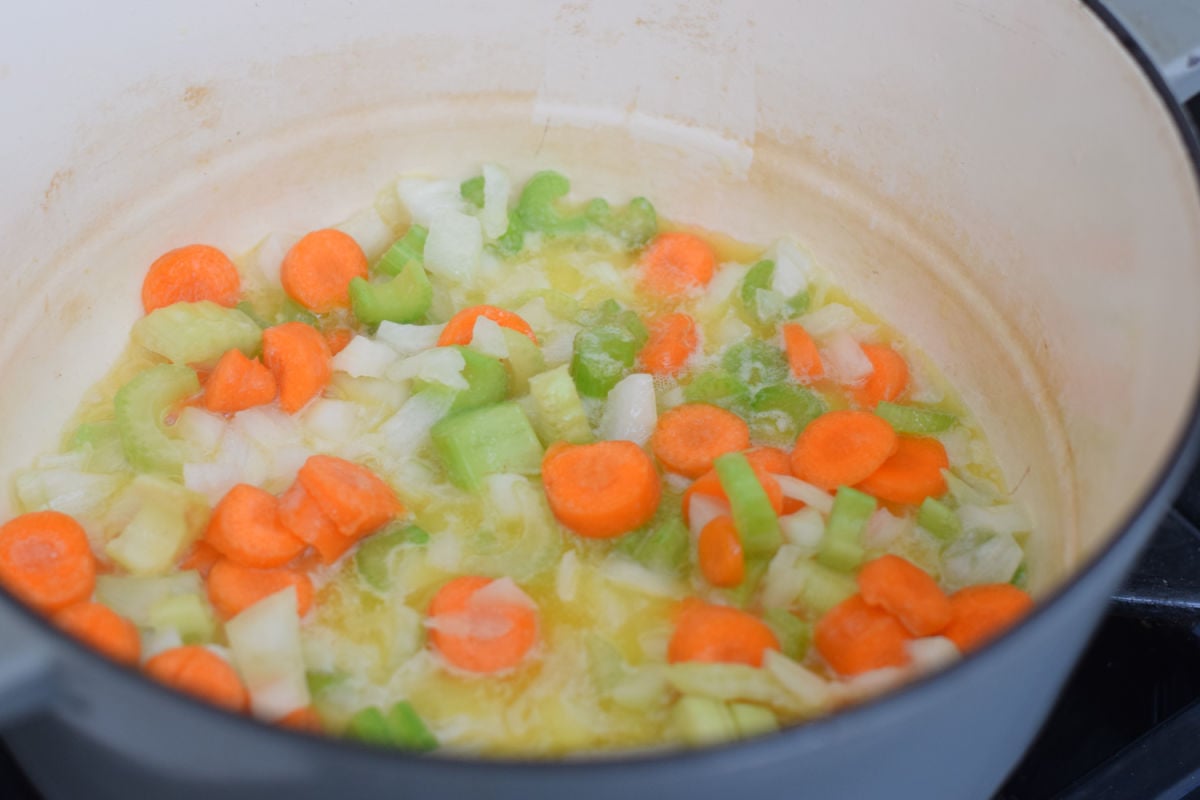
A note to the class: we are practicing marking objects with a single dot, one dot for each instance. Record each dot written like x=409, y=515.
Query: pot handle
x=26, y=668
x=1169, y=32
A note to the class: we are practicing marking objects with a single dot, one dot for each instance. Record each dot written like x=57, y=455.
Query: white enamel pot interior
x=998, y=178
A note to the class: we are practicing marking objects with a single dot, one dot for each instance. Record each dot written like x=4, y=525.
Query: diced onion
x=201, y=430
x=485, y=625
x=454, y=245
x=630, y=413
x=703, y=509
x=811, y=496
x=364, y=358
x=804, y=529
x=793, y=268
x=501, y=592
x=408, y=339
x=678, y=483
x=269, y=255
x=783, y=582
x=367, y=228
x=931, y=653
x=496, y=188
x=882, y=529
x=425, y=198
x=829, y=319
x=980, y=556
x=566, y=580
x=407, y=430
x=443, y=365
x=1005, y=518
x=634, y=576
x=806, y=686
x=133, y=596
x=335, y=420
x=265, y=641
x=844, y=359
x=488, y=338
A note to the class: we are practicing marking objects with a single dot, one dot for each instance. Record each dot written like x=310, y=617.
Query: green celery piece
x=371, y=560
x=472, y=191
x=486, y=441
x=406, y=729
x=524, y=360
x=1020, y=578
x=189, y=614
x=513, y=239
x=753, y=517
x=841, y=547
x=663, y=548
x=913, y=420
x=168, y=519
x=141, y=406
x=291, y=311
x=103, y=443
x=606, y=665
x=798, y=303
x=321, y=682
x=799, y=405
x=407, y=249
x=939, y=519
x=742, y=594
x=370, y=726
x=635, y=225
x=793, y=633
x=719, y=388
x=606, y=348
x=487, y=381
x=197, y=333
x=752, y=720
x=404, y=298
x=558, y=303
x=757, y=277
x=703, y=720
x=756, y=363
x=537, y=207
x=247, y=308
x=560, y=413
x=823, y=588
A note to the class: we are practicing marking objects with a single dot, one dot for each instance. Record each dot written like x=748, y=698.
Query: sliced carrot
x=854, y=637
x=720, y=553
x=317, y=271
x=773, y=461
x=911, y=474
x=337, y=339
x=356, y=500
x=102, y=629
x=710, y=485
x=245, y=527
x=304, y=720
x=712, y=633
x=299, y=359
x=886, y=381
x=201, y=673
x=200, y=558
x=300, y=514
x=238, y=383
x=905, y=591
x=676, y=263
x=480, y=638
x=841, y=448
x=690, y=437
x=461, y=327
x=46, y=560
x=601, y=490
x=978, y=613
x=191, y=274
x=232, y=588
x=671, y=342
x=802, y=354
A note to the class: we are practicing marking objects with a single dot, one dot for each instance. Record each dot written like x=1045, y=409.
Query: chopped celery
x=635, y=224
x=409, y=248
x=742, y=594
x=321, y=682
x=752, y=720
x=1020, y=579
x=404, y=298
x=247, y=308
x=371, y=560
x=823, y=588
x=663, y=548
x=606, y=348
x=793, y=633
x=537, y=207
x=560, y=304
x=513, y=239
x=102, y=440
x=197, y=333
x=168, y=519
x=132, y=596
x=703, y=720
x=141, y=406
x=472, y=191
x=524, y=360
x=187, y=614
x=756, y=363
x=783, y=410
x=939, y=519
x=560, y=413
x=606, y=666
x=755, y=520
x=370, y=726
x=487, y=441
x=756, y=285
x=912, y=420
x=841, y=547
x=719, y=388
x=407, y=730
x=757, y=277
x=487, y=381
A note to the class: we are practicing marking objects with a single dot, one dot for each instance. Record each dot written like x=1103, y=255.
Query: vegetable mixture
x=517, y=476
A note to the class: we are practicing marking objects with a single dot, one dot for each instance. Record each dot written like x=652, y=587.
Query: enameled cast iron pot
x=1003, y=179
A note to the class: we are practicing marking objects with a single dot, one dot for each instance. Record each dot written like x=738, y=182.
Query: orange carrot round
x=671, y=342
x=854, y=637
x=720, y=553
x=773, y=461
x=601, y=490
x=232, y=588
x=303, y=719
x=886, y=381
x=238, y=383
x=841, y=448
x=356, y=500
x=245, y=527
x=317, y=271
x=712, y=633
x=690, y=437
x=911, y=474
x=710, y=485
x=676, y=263
x=480, y=638
x=802, y=353
x=978, y=613
x=200, y=558
x=337, y=339
x=103, y=630
x=300, y=514
x=461, y=327
x=299, y=358
x=201, y=673
x=905, y=591
x=191, y=274
x=46, y=560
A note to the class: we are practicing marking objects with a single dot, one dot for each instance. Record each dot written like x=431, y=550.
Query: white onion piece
x=1005, y=518
x=407, y=430
x=783, y=582
x=793, y=268
x=829, y=319
x=844, y=359
x=442, y=365
x=364, y=358
x=882, y=529
x=870, y=684
x=425, y=198
x=538, y=315
x=269, y=255
x=496, y=188
x=132, y=596
x=980, y=556
x=501, y=592
x=408, y=339
x=488, y=338
x=630, y=412
x=703, y=509
x=336, y=420
x=677, y=482
x=201, y=430
x=367, y=228
x=265, y=640
x=267, y=427
x=558, y=347
x=477, y=625
x=810, y=689
x=804, y=529
x=157, y=640
x=723, y=286
x=811, y=496
x=454, y=245
x=630, y=574
x=566, y=579
x=931, y=653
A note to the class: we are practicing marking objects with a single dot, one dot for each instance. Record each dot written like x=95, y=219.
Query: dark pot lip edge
x=1162, y=490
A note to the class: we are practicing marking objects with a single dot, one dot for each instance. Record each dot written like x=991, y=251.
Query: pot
x=1001, y=179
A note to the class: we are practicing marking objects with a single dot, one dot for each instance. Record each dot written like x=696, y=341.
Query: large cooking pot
x=1000, y=178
